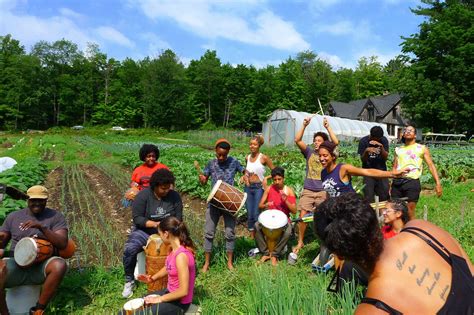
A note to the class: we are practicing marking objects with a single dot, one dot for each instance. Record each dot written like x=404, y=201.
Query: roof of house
x=383, y=104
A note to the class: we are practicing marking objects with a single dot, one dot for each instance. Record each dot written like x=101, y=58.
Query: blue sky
x=257, y=32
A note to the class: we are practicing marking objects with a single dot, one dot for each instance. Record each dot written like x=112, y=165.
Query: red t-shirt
x=274, y=195
x=388, y=232
x=142, y=174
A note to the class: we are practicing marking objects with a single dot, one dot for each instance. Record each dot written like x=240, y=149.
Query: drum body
x=69, y=250
x=156, y=252
x=273, y=224
x=226, y=197
x=133, y=306
x=30, y=251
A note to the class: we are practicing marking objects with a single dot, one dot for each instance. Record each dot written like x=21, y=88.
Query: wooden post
x=425, y=213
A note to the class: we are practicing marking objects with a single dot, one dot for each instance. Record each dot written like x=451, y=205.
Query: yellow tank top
x=411, y=156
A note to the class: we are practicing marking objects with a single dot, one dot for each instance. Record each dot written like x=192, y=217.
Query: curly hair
x=161, y=176
x=147, y=149
x=322, y=135
x=179, y=229
x=349, y=227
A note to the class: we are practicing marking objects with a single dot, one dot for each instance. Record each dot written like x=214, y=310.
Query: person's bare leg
x=274, y=261
x=3, y=278
x=55, y=271
x=411, y=210
x=301, y=231
x=230, y=257
x=207, y=262
x=263, y=259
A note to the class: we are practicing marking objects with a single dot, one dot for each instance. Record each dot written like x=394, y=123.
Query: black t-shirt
x=52, y=219
x=147, y=207
x=374, y=160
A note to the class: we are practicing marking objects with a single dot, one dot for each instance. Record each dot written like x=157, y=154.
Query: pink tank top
x=173, y=281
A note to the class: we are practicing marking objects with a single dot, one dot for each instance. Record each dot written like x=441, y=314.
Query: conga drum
x=30, y=251
x=273, y=224
x=226, y=197
x=155, y=258
x=133, y=306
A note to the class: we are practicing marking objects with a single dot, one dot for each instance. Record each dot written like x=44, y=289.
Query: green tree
x=369, y=78
x=438, y=85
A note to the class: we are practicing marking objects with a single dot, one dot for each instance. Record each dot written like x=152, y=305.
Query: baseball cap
x=37, y=192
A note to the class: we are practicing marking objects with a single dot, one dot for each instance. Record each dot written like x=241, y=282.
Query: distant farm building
x=385, y=109
x=282, y=125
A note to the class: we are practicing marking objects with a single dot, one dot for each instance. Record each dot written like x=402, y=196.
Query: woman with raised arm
x=336, y=177
x=313, y=191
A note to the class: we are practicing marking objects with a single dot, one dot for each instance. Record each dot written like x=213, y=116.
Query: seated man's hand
x=30, y=224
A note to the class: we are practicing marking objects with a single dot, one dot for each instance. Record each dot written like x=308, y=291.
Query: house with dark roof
x=382, y=109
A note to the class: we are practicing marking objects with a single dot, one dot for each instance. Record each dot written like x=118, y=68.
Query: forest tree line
x=56, y=84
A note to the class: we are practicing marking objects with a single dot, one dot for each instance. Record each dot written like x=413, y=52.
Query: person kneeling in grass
x=276, y=197
x=180, y=268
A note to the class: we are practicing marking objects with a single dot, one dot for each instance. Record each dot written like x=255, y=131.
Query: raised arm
x=299, y=135
x=350, y=170
x=331, y=133
x=434, y=172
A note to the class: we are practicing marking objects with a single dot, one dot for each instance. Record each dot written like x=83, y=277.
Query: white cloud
x=382, y=57
x=29, y=29
x=334, y=60
x=112, y=35
x=361, y=31
x=228, y=20
x=155, y=43
x=70, y=13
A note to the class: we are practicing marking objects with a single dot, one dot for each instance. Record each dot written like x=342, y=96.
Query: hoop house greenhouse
x=282, y=126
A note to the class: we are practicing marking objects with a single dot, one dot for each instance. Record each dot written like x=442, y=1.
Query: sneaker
x=36, y=311
x=128, y=289
x=253, y=252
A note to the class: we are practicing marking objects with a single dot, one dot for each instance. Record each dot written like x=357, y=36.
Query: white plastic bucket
x=140, y=266
x=20, y=299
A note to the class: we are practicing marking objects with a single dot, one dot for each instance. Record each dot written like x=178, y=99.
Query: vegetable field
x=88, y=171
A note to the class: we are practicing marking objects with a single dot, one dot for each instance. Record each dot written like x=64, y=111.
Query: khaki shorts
x=17, y=275
x=310, y=200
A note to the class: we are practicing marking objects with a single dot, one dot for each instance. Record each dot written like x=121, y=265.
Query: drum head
x=25, y=251
x=273, y=219
x=214, y=190
x=134, y=304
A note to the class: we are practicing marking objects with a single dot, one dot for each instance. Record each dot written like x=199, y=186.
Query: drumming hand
x=30, y=224
x=144, y=278
x=269, y=205
x=202, y=179
x=152, y=299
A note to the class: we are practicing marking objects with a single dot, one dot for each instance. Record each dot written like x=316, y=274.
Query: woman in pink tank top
x=179, y=267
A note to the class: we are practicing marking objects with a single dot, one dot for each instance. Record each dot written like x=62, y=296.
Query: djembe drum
x=226, y=197
x=156, y=252
x=30, y=251
x=273, y=224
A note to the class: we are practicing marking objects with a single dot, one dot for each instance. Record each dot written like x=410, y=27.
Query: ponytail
x=178, y=229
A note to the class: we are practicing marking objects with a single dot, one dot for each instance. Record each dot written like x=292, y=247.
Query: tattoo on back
x=422, y=277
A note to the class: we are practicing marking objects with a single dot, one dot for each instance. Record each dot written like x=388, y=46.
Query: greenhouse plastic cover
x=282, y=126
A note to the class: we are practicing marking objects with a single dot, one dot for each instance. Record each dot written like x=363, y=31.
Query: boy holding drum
x=224, y=168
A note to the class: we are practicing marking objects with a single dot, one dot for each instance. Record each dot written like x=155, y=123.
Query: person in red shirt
x=149, y=154
x=277, y=196
x=395, y=216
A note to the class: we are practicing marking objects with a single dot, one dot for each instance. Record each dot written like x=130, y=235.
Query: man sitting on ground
x=277, y=197
x=34, y=221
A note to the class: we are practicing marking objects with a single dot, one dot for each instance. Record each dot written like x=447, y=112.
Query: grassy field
x=88, y=171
